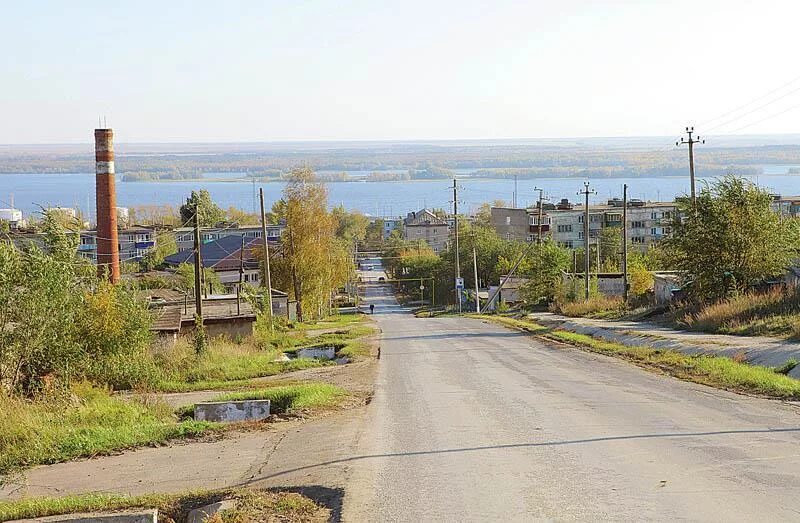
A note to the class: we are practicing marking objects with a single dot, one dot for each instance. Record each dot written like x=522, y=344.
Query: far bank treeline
x=387, y=162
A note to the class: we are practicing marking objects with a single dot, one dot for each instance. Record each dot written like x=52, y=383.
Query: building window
x=637, y=239
x=567, y=244
x=581, y=235
x=637, y=224
x=508, y=220
x=565, y=228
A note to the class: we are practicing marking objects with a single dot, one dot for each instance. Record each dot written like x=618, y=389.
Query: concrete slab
x=199, y=515
x=135, y=516
x=229, y=411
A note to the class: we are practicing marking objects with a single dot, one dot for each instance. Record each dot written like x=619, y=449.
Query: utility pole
x=455, y=228
x=198, y=271
x=477, y=287
x=514, y=204
x=690, y=142
x=625, y=242
x=241, y=277
x=539, y=233
x=266, y=256
x=586, y=192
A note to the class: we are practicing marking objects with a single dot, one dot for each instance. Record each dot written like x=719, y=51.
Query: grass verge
x=285, y=398
x=715, y=371
x=252, y=505
x=86, y=421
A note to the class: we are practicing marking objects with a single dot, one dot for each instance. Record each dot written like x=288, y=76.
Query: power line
x=758, y=99
x=754, y=110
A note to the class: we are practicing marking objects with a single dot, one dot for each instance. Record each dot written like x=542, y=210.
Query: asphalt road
x=473, y=422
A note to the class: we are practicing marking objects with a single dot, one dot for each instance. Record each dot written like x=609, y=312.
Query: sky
x=209, y=71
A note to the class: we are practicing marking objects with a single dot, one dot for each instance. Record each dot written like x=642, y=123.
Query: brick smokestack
x=106, y=195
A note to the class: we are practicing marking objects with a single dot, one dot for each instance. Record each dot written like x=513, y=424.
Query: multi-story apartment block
x=184, y=236
x=648, y=222
x=520, y=224
x=390, y=225
x=425, y=225
x=134, y=242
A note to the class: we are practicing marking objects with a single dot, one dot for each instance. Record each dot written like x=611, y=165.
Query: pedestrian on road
x=372, y=308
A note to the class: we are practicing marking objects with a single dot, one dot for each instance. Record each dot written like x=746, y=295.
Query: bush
x=595, y=305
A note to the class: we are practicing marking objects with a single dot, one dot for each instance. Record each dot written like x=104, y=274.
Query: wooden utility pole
x=268, y=281
x=690, y=142
x=198, y=268
x=477, y=287
x=455, y=228
x=539, y=233
x=625, y=242
x=586, y=192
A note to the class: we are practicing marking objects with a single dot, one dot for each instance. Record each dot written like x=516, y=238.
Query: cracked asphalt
x=473, y=422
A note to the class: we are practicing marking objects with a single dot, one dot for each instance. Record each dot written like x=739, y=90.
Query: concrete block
x=247, y=410
x=199, y=515
x=132, y=516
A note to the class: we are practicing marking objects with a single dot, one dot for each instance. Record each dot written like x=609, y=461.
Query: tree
x=350, y=226
x=483, y=216
x=733, y=241
x=211, y=279
x=373, y=235
x=610, y=249
x=165, y=246
x=58, y=320
x=208, y=212
x=543, y=269
x=313, y=261
x=236, y=215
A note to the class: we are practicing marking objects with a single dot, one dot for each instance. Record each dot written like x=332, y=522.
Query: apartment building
x=648, y=222
x=390, y=225
x=184, y=236
x=425, y=225
x=520, y=224
x=134, y=243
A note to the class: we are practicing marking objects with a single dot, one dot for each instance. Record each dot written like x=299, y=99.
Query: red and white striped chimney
x=106, y=195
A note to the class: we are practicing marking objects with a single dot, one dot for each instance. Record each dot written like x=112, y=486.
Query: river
x=32, y=191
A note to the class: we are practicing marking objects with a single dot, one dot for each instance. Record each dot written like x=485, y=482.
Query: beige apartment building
x=425, y=225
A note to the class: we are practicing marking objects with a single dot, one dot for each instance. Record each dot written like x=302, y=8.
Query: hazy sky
x=261, y=71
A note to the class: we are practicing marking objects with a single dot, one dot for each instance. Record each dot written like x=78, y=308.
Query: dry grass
x=597, y=307
x=251, y=505
x=772, y=313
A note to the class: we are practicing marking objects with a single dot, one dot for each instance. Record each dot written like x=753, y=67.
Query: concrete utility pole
x=198, y=271
x=455, y=228
x=514, y=204
x=625, y=242
x=586, y=192
x=690, y=142
x=539, y=233
x=477, y=287
x=266, y=256
x=241, y=278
